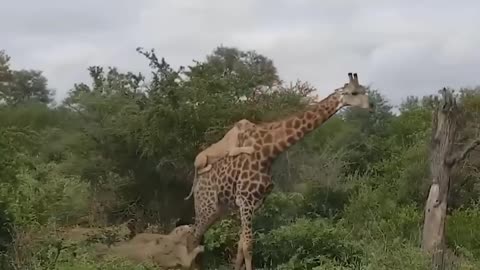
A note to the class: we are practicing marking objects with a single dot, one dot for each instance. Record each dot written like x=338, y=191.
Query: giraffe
x=243, y=182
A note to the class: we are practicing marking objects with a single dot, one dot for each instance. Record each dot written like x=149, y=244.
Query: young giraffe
x=243, y=182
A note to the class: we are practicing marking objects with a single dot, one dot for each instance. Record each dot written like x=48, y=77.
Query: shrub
x=324, y=201
x=463, y=234
x=374, y=214
x=279, y=209
x=306, y=244
x=42, y=195
x=221, y=242
x=394, y=254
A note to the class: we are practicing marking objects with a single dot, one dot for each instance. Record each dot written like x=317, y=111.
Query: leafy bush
x=324, y=201
x=375, y=209
x=221, y=242
x=463, y=234
x=42, y=195
x=305, y=244
x=394, y=254
x=279, y=209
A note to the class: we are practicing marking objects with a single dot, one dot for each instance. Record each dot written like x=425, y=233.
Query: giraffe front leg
x=246, y=238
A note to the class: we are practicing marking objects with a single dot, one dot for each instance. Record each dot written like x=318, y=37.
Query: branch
x=463, y=154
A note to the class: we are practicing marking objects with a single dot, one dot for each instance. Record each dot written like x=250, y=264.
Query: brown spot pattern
x=246, y=165
x=291, y=140
x=268, y=138
x=266, y=150
x=297, y=123
x=289, y=123
x=252, y=186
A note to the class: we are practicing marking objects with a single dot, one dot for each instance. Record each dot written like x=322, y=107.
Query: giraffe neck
x=282, y=134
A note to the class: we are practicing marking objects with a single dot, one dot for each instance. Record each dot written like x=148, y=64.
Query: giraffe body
x=229, y=145
x=242, y=183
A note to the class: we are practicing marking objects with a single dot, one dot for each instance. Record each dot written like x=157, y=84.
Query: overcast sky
x=398, y=47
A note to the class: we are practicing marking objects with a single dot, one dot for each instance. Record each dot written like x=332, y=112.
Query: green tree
x=20, y=86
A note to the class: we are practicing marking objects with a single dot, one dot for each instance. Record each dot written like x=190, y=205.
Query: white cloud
x=400, y=47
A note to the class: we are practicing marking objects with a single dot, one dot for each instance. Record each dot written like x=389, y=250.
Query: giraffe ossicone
x=243, y=182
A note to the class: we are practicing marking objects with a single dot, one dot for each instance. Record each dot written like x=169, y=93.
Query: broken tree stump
x=443, y=157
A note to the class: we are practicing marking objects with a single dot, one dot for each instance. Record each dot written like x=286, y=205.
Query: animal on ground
x=164, y=251
x=242, y=183
x=179, y=232
x=229, y=145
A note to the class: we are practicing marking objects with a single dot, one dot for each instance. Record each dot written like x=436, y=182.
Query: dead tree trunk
x=442, y=160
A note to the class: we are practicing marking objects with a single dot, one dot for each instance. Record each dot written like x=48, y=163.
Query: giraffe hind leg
x=246, y=238
x=207, y=212
x=239, y=259
x=203, y=220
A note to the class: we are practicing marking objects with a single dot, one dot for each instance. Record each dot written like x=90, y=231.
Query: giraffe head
x=354, y=94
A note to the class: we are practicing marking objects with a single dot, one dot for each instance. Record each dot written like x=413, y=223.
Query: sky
x=400, y=48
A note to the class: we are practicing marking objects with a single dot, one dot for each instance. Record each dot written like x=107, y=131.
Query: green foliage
x=43, y=195
x=310, y=242
x=5, y=228
x=405, y=175
x=463, y=235
x=220, y=242
x=279, y=209
x=20, y=86
x=325, y=201
x=375, y=209
x=397, y=254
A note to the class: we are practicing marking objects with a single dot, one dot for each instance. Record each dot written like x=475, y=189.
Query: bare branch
x=463, y=154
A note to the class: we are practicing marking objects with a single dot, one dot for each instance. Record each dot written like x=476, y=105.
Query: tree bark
x=444, y=130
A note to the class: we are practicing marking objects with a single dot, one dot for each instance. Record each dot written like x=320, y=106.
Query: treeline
x=349, y=196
